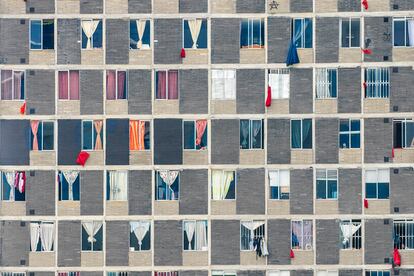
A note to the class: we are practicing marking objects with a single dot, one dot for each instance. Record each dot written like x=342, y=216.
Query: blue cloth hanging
x=292, y=57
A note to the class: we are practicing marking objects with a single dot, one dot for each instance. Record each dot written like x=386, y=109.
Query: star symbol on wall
x=274, y=5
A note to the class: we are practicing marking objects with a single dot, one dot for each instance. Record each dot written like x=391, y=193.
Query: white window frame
x=250, y=32
x=381, y=87
x=68, y=72
x=167, y=187
x=303, y=31
x=301, y=133
x=2, y=189
x=235, y=186
x=167, y=92
x=251, y=134
x=404, y=223
x=223, y=273
x=61, y=176
x=282, y=86
x=92, y=243
x=204, y=20
x=354, y=236
x=195, y=234
x=404, y=19
x=149, y=232
x=262, y=234
x=92, y=40
x=279, y=177
x=404, y=124
x=40, y=141
x=349, y=133
x=302, y=234
x=93, y=138
x=326, y=179
x=350, y=34
x=24, y=90
x=195, y=135
x=224, y=94
x=378, y=272
x=327, y=273
x=116, y=85
x=325, y=84
x=150, y=26
x=41, y=35
x=377, y=181
x=278, y=273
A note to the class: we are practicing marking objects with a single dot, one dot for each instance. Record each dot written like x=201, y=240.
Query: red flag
x=367, y=51
x=182, y=53
x=269, y=96
x=292, y=254
x=397, y=257
x=23, y=108
x=366, y=203
x=365, y=4
x=82, y=158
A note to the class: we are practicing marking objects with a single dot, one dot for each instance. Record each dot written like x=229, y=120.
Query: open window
x=14, y=274
x=140, y=34
x=350, y=234
x=326, y=83
x=69, y=185
x=139, y=135
x=349, y=134
x=279, y=182
x=167, y=185
x=195, y=33
x=91, y=33
x=223, y=273
x=92, y=135
x=13, y=184
x=140, y=235
x=42, y=135
x=251, y=134
x=195, y=134
x=301, y=134
x=377, y=83
x=252, y=235
x=377, y=273
x=12, y=85
x=302, y=32
x=166, y=273
x=279, y=82
x=326, y=184
x=403, y=130
x=68, y=82
x=166, y=85
x=403, y=34
x=92, y=235
x=302, y=234
x=223, y=84
x=404, y=234
x=42, y=34
x=117, y=185
x=68, y=273
x=42, y=236
x=377, y=184
x=350, y=33
x=195, y=235
x=116, y=85
x=223, y=186
x=252, y=34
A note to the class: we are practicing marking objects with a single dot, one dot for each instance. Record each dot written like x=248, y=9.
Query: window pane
x=344, y=141
x=298, y=32
x=332, y=189
x=256, y=33
x=345, y=33
x=244, y=134
x=344, y=125
x=355, y=32
x=383, y=191
x=202, y=36
x=86, y=246
x=36, y=34
x=409, y=134
x=188, y=40
x=321, y=189
x=231, y=194
x=146, y=38
x=97, y=36
x=48, y=135
x=87, y=135
x=332, y=77
x=371, y=190
x=296, y=134
x=397, y=134
x=307, y=133
x=274, y=192
x=355, y=125
x=244, y=33
x=399, y=32
x=161, y=84
x=6, y=188
x=257, y=134
x=355, y=141
x=147, y=142
x=133, y=34
x=308, y=33
x=189, y=139
x=48, y=34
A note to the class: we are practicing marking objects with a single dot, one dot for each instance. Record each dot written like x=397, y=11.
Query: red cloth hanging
x=365, y=85
x=366, y=203
x=365, y=4
x=182, y=53
x=20, y=181
x=367, y=51
x=23, y=108
x=269, y=96
x=393, y=153
x=397, y=257
x=292, y=254
x=82, y=158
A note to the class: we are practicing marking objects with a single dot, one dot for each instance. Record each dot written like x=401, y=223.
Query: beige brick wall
x=68, y=208
x=165, y=6
x=195, y=258
x=92, y=258
x=305, y=55
x=304, y=156
x=223, y=6
x=116, y=208
x=279, y=106
x=404, y=155
x=166, y=207
x=350, y=257
x=116, y=107
x=116, y=6
x=402, y=54
x=407, y=257
x=166, y=107
x=143, y=157
x=195, y=157
x=303, y=257
x=92, y=57
x=69, y=107
x=378, y=5
x=326, y=6
x=377, y=207
x=326, y=106
x=42, y=158
x=350, y=55
x=68, y=6
x=140, y=57
x=252, y=157
x=44, y=259
x=326, y=207
x=223, y=207
x=252, y=56
x=12, y=208
x=278, y=207
x=41, y=57
x=283, y=7
x=350, y=156
x=195, y=56
x=96, y=158
x=12, y=7
x=376, y=105
x=10, y=107
x=140, y=258
x=250, y=258
x=223, y=106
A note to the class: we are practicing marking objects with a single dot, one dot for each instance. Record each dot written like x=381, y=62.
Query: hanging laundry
x=269, y=96
x=365, y=4
x=292, y=254
x=365, y=203
x=20, y=181
x=23, y=108
x=365, y=85
x=292, y=57
x=397, y=257
x=366, y=51
x=82, y=158
x=265, y=252
x=182, y=53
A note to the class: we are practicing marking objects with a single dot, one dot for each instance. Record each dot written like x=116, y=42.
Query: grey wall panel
x=250, y=6
x=278, y=38
x=401, y=183
x=91, y=193
x=117, y=41
x=194, y=273
x=278, y=243
x=350, y=191
x=401, y=5
x=15, y=243
x=225, y=40
x=69, y=240
x=250, y=96
x=349, y=87
x=43, y=273
x=301, y=6
x=378, y=240
x=402, y=82
x=92, y=273
x=193, y=91
x=193, y=192
x=301, y=187
x=251, y=272
x=378, y=140
x=40, y=193
x=406, y=272
x=250, y=191
x=91, y=92
x=140, y=273
x=301, y=91
x=301, y=273
x=40, y=92
x=68, y=35
x=326, y=140
x=139, y=92
x=91, y=6
x=117, y=243
x=374, y=30
x=139, y=6
x=349, y=5
x=139, y=202
x=168, y=151
x=327, y=240
x=327, y=39
x=14, y=142
x=343, y=272
x=14, y=42
x=225, y=242
x=168, y=41
x=117, y=142
x=193, y=6
x=168, y=243
x=69, y=141
x=225, y=141
x=40, y=6
x=278, y=137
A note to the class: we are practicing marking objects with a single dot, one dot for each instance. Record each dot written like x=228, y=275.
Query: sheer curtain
x=92, y=228
x=221, y=181
x=121, y=84
x=140, y=229
x=348, y=230
x=136, y=135
x=195, y=27
x=74, y=85
x=161, y=85
x=89, y=28
x=201, y=126
x=140, y=29
x=10, y=177
x=70, y=177
x=6, y=85
x=118, y=183
x=98, y=128
x=322, y=84
x=244, y=130
x=189, y=228
x=172, y=85
x=18, y=77
x=201, y=237
x=34, y=126
x=279, y=81
x=34, y=236
x=47, y=234
x=111, y=85
x=63, y=85
x=410, y=24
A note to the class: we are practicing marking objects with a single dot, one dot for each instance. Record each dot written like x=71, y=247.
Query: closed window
x=42, y=135
x=69, y=185
x=350, y=234
x=68, y=85
x=403, y=133
x=167, y=185
x=251, y=234
x=140, y=34
x=42, y=34
x=279, y=82
x=223, y=84
x=195, y=135
x=13, y=274
x=117, y=185
x=404, y=234
x=12, y=186
x=377, y=273
x=350, y=32
x=42, y=236
x=195, y=235
x=302, y=235
x=377, y=184
x=326, y=83
x=403, y=32
x=349, y=134
x=302, y=32
x=223, y=185
x=252, y=33
x=166, y=85
x=326, y=184
x=140, y=235
x=279, y=182
x=91, y=33
x=12, y=85
x=195, y=33
x=92, y=135
x=377, y=83
x=139, y=135
x=92, y=236
x=251, y=134
x=301, y=133
x=116, y=85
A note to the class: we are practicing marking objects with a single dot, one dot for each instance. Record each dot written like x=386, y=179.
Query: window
x=350, y=234
x=403, y=32
x=195, y=135
x=139, y=135
x=404, y=234
x=117, y=185
x=167, y=185
x=377, y=273
x=69, y=185
x=327, y=273
x=223, y=84
x=302, y=237
x=68, y=85
x=326, y=83
x=166, y=85
x=165, y=273
x=279, y=82
x=251, y=134
x=252, y=33
x=42, y=34
x=13, y=273
x=42, y=236
x=117, y=273
x=279, y=182
x=223, y=273
x=69, y=273
x=195, y=34
x=377, y=83
x=301, y=133
x=377, y=184
x=92, y=135
x=140, y=235
x=195, y=235
x=250, y=233
x=116, y=85
x=92, y=236
x=140, y=34
x=403, y=133
x=223, y=185
x=279, y=273
x=42, y=135
x=326, y=184
x=350, y=33
x=302, y=32
x=12, y=85
x=12, y=186
x=349, y=134
x=91, y=34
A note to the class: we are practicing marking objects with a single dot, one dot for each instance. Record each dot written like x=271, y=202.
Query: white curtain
x=169, y=176
x=279, y=273
x=348, y=230
x=201, y=236
x=279, y=81
x=384, y=176
x=140, y=29
x=221, y=181
x=118, y=182
x=224, y=84
x=10, y=177
x=89, y=28
x=47, y=235
x=140, y=229
x=189, y=228
x=411, y=31
x=195, y=27
x=322, y=84
x=34, y=235
x=70, y=177
x=92, y=228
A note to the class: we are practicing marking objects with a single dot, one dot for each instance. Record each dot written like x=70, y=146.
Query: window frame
x=93, y=136
x=68, y=72
x=303, y=32
x=380, y=87
x=147, y=123
x=147, y=21
x=92, y=243
x=320, y=84
x=278, y=186
x=60, y=189
x=250, y=33
x=235, y=185
x=92, y=38
x=13, y=79
x=116, y=85
x=148, y=233
x=262, y=234
x=377, y=273
x=195, y=221
x=405, y=19
x=301, y=134
x=167, y=92
x=2, y=184
x=204, y=21
x=223, y=273
x=251, y=121
x=406, y=237
x=326, y=179
x=41, y=139
x=279, y=71
x=403, y=133
x=41, y=34
x=350, y=34
x=349, y=133
x=376, y=184
x=178, y=184
x=358, y=235
x=224, y=80
x=194, y=149
x=302, y=234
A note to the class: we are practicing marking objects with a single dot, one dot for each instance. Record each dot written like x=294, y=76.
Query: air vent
x=32, y=73
x=32, y=10
x=396, y=171
x=396, y=272
x=395, y=108
x=32, y=173
x=396, y=210
x=386, y=221
x=385, y=19
x=386, y=159
x=31, y=274
x=31, y=212
x=395, y=69
x=385, y=58
x=386, y=260
x=22, y=22
x=386, y=120
x=22, y=262
x=32, y=111
x=22, y=61
x=395, y=7
x=22, y=223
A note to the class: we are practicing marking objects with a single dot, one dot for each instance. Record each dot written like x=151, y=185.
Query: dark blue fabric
x=292, y=56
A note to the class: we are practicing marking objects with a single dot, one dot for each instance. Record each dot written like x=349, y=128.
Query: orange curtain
x=35, y=126
x=98, y=129
x=136, y=135
x=200, y=129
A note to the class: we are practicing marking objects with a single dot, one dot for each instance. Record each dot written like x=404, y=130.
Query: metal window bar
x=324, y=83
x=404, y=234
x=356, y=241
x=378, y=82
x=246, y=237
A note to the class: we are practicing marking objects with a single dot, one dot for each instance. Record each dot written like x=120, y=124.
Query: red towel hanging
x=365, y=4
x=365, y=85
x=367, y=51
x=366, y=203
x=269, y=96
x=397, y=257
x=82, y=158
x=23, y=108
x=182, y=53
x=292, y=254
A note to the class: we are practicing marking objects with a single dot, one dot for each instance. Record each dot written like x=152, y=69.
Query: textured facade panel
x=40, y=6
x=401, y=5
x=117, y=142
x=117, y=41
x=168, y=244
x=402, y=81
x=40, y=98
x=225, y=141
x=14, y=42
x=327, y=39
x=378, y=240
x=301, y=273
x=193, y=6
x=278, y=243
x=300, y=91
x=139, y=197
x=15, y=243
x=327, y=240
x=168, y=151
x=250, y=6
x=349, y=87
x=374, y=31
x=278, y=137
x=91, y=92
x=91, y=6
x=167, y=41
x=117, y=243
x=12, y=153
x=251, y=272
x=401, y=188
x=139, y=92
x=40, y=193
x=69, y=141
x=301, y=186
x=139, y=6
x=69, y=240
x=344, y=272
x=326, y=140
x=193, y=192
x=278, y=38
x=68, y=35
x=250, y=87
x=349, y=5
x=378, y=140
x=350, y=191
x=301, y=6
x=194, y=273
x=225, y=242
x=193, y=91
x=225, y=40
x=91, y=193
x=250, y=201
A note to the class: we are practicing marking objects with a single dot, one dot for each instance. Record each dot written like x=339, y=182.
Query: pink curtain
x=98, y=129
x=63, y=85
x=74, y=85
x=111, y=85
x=35, y=125
x=200, y=129
x=121, y=84
x=161, y=85
x=6, y=85
x=18, y=75
x=173, y=85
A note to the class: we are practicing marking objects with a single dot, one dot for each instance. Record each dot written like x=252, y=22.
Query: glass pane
x=36, y=34
x=48, y=135
x=244, y=134
x=355, y=125
x=146, y=38
x=355, y=33
x=371, y=190
x=397, y=135
x=87, y=135
x=63, y=188
x=345, y=33
x=308, y=33
x=409, y=134
x=84, y=40
x=399, y=32
x=383, y=191
x=307, y=133
x=244, y=33
x=97, y=36
x=298, y=32
x=344, y=125
x=147, y=142
x=332, y=77
x=344, y=141
x=257, y=134
x=274, y=192
x=321, y=189
x=97, y=246
x=188, y=40
x=86, y=246
x=161, y=189
x=48, y=34
x=256, y=33
x=296, y=134
x=231, y=194
x=189, y=139
x=332, y=189
x=133, y=34
x=355, y=141
x=202, y=36
x=6, y=188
